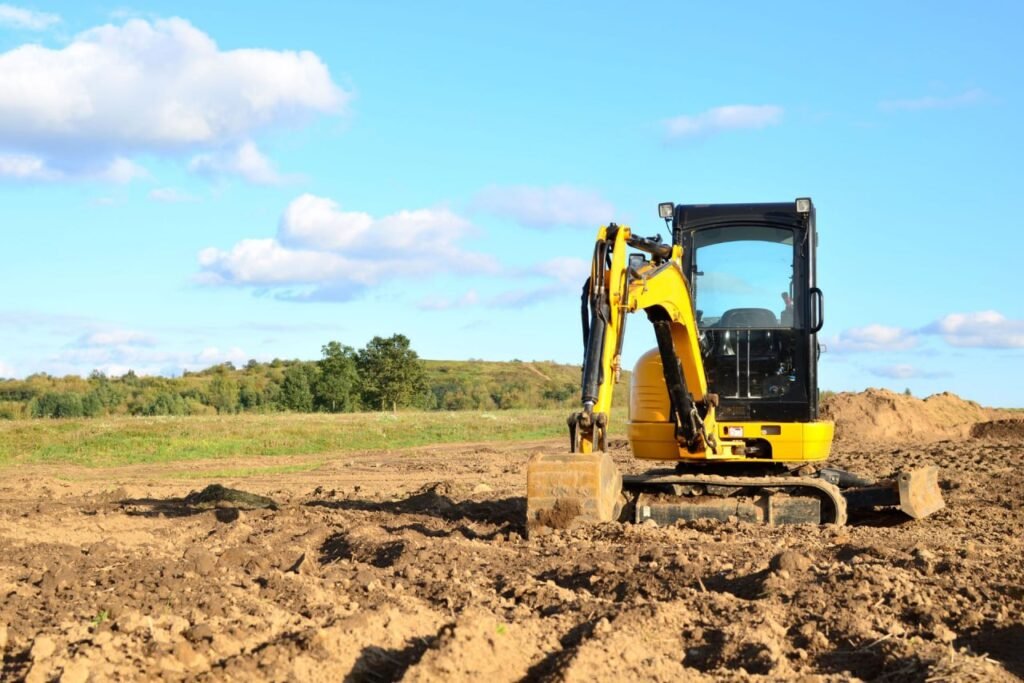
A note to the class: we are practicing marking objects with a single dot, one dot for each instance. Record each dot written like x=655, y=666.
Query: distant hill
x=513, y=384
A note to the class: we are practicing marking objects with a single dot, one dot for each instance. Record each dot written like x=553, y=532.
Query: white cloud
x=267, y=262
x=19, y=17
x=30, y=167
x=246, y=161
x=6, y=371
x=116, y=351
x=339, y=253
x=319, y=223
x=115, y=337
x=966, y=98
x=873, y=338
x=721, y=119
x=141, y=87
x=547, y=207
x=171, y=195
x=982, y=329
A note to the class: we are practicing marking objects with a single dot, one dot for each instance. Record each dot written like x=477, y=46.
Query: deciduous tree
x=392, y=373
x=296, y=392
x=337, y=386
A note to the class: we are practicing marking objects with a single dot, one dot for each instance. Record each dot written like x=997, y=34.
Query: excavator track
x=666, y=498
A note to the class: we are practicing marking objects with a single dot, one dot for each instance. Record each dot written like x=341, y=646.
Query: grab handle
x=819, y=320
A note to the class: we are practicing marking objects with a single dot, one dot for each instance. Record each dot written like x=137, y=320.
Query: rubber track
x=833, y=493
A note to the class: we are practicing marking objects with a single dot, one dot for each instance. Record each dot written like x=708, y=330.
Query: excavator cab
x=751, y=285
x=758, y=309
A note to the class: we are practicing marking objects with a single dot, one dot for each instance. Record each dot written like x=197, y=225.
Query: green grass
x=103, y=442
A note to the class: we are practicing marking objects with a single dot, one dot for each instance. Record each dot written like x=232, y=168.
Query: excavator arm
x=620, y=285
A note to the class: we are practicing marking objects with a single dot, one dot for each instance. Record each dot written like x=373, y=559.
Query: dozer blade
x=565, y=488
x=916, y=493
x=919, y=492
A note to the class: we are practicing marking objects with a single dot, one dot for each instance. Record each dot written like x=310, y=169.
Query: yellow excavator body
x=651, y=431
x=729, y=397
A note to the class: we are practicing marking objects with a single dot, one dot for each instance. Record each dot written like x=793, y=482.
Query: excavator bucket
x=567, y=488
x=919, y=492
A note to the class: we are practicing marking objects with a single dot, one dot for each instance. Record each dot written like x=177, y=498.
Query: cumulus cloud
x=982, y=329
x=722, y=119
x=163, y=88
x=246, y=161
x=19, y=17
x=966, y=98
x=873, y=338
x=324, y=253
x=546, y=207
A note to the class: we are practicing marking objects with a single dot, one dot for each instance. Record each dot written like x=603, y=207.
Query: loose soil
x=414, y=565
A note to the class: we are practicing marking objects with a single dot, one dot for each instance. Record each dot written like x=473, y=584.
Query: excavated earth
x=414, y=565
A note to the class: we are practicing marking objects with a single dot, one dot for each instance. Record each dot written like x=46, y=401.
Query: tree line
x=386, y=374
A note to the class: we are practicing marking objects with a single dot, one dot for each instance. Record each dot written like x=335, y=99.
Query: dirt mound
x=883, y=415
x=999, y=429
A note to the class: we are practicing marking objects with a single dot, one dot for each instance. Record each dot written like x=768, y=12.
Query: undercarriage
x=563, y=488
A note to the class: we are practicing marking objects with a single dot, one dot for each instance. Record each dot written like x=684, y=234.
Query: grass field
x=100, y=442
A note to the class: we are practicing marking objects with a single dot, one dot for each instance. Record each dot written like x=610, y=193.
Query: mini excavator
x=728, y=400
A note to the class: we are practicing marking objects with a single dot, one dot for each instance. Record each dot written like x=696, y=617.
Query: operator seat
x=748, y=317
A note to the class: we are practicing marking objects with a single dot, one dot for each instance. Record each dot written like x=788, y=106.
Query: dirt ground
x=413, y=565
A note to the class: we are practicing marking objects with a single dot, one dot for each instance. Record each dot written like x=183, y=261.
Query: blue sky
x=187, y=183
